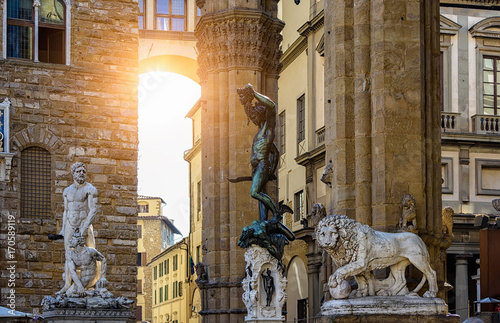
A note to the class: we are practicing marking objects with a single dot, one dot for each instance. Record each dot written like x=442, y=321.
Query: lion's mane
x=346, y=248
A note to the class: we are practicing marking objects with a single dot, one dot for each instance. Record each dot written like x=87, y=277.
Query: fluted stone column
x=382, y=113
x=238, y=43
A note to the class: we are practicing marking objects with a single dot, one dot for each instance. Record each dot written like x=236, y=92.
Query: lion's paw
x=383, y=293
x=332, y=281
x=341, y=291
x=430, y=294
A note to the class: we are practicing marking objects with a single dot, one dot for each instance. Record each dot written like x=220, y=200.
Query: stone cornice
x=166, y=35
x=482, y=28
x=300, y=44
x=450, y=138
x=294, y=51
x=312, y=156
x=447, y=26
x=472, y=2
x=312, y=25
x=189, y=154
x=238, y=39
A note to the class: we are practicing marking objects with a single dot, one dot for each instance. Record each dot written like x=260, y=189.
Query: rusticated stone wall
x=86, y=112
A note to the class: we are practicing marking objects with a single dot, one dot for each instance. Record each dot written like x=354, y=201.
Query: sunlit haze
x=164, y=135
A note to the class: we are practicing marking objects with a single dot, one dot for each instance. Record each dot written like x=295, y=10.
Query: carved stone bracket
x=254, y=296
x=5, y=166
x=239, y=38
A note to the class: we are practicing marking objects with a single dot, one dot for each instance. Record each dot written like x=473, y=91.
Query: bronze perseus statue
x=270, y=234
x=265, y=154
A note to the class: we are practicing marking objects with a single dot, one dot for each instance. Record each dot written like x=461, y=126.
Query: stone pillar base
x=387, y=309
x=82, y=315
x=450, y=318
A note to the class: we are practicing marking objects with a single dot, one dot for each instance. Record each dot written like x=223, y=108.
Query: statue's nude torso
x=77, y=207
x=261, y=147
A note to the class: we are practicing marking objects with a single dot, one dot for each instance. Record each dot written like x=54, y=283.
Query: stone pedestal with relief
x=264, y=286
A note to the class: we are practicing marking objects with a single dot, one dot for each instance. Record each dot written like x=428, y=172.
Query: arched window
x=36, y=30
x=35, y=183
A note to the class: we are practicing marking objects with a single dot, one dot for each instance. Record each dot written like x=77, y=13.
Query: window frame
x=36, y=25
x=480, y=164
x=282, y=132
x=142, y=14
x=143, y=208
x=301, y=118
x=198, y=200
x=170, y=16
x=496, y=83
x=47, y=176
x=298, y=207
x=196, y=17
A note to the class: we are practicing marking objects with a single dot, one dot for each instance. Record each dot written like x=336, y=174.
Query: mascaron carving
x=238, y=38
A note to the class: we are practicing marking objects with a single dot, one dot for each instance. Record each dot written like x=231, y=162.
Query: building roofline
x=193, y=109
x=145, y=197
x=172, y=247
x=164, y=219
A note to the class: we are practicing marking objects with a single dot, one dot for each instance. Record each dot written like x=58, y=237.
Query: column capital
x=239, y=39
x=461, y=258
x=36, y=3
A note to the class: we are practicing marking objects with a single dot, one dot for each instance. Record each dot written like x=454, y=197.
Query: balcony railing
x=449, y=122
x=486, y=124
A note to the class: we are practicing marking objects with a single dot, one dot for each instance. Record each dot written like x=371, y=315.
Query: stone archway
x=171, y=63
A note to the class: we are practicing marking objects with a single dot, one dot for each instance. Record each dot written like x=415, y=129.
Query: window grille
x=35, y=183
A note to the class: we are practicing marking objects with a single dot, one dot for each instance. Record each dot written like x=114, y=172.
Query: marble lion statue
x=357, y=249
x=408, y=221
x=447, y=220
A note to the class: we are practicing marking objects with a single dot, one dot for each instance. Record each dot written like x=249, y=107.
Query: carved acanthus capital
x=239, y=38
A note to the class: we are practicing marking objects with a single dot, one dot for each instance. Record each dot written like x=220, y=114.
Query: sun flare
x=164, y=134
